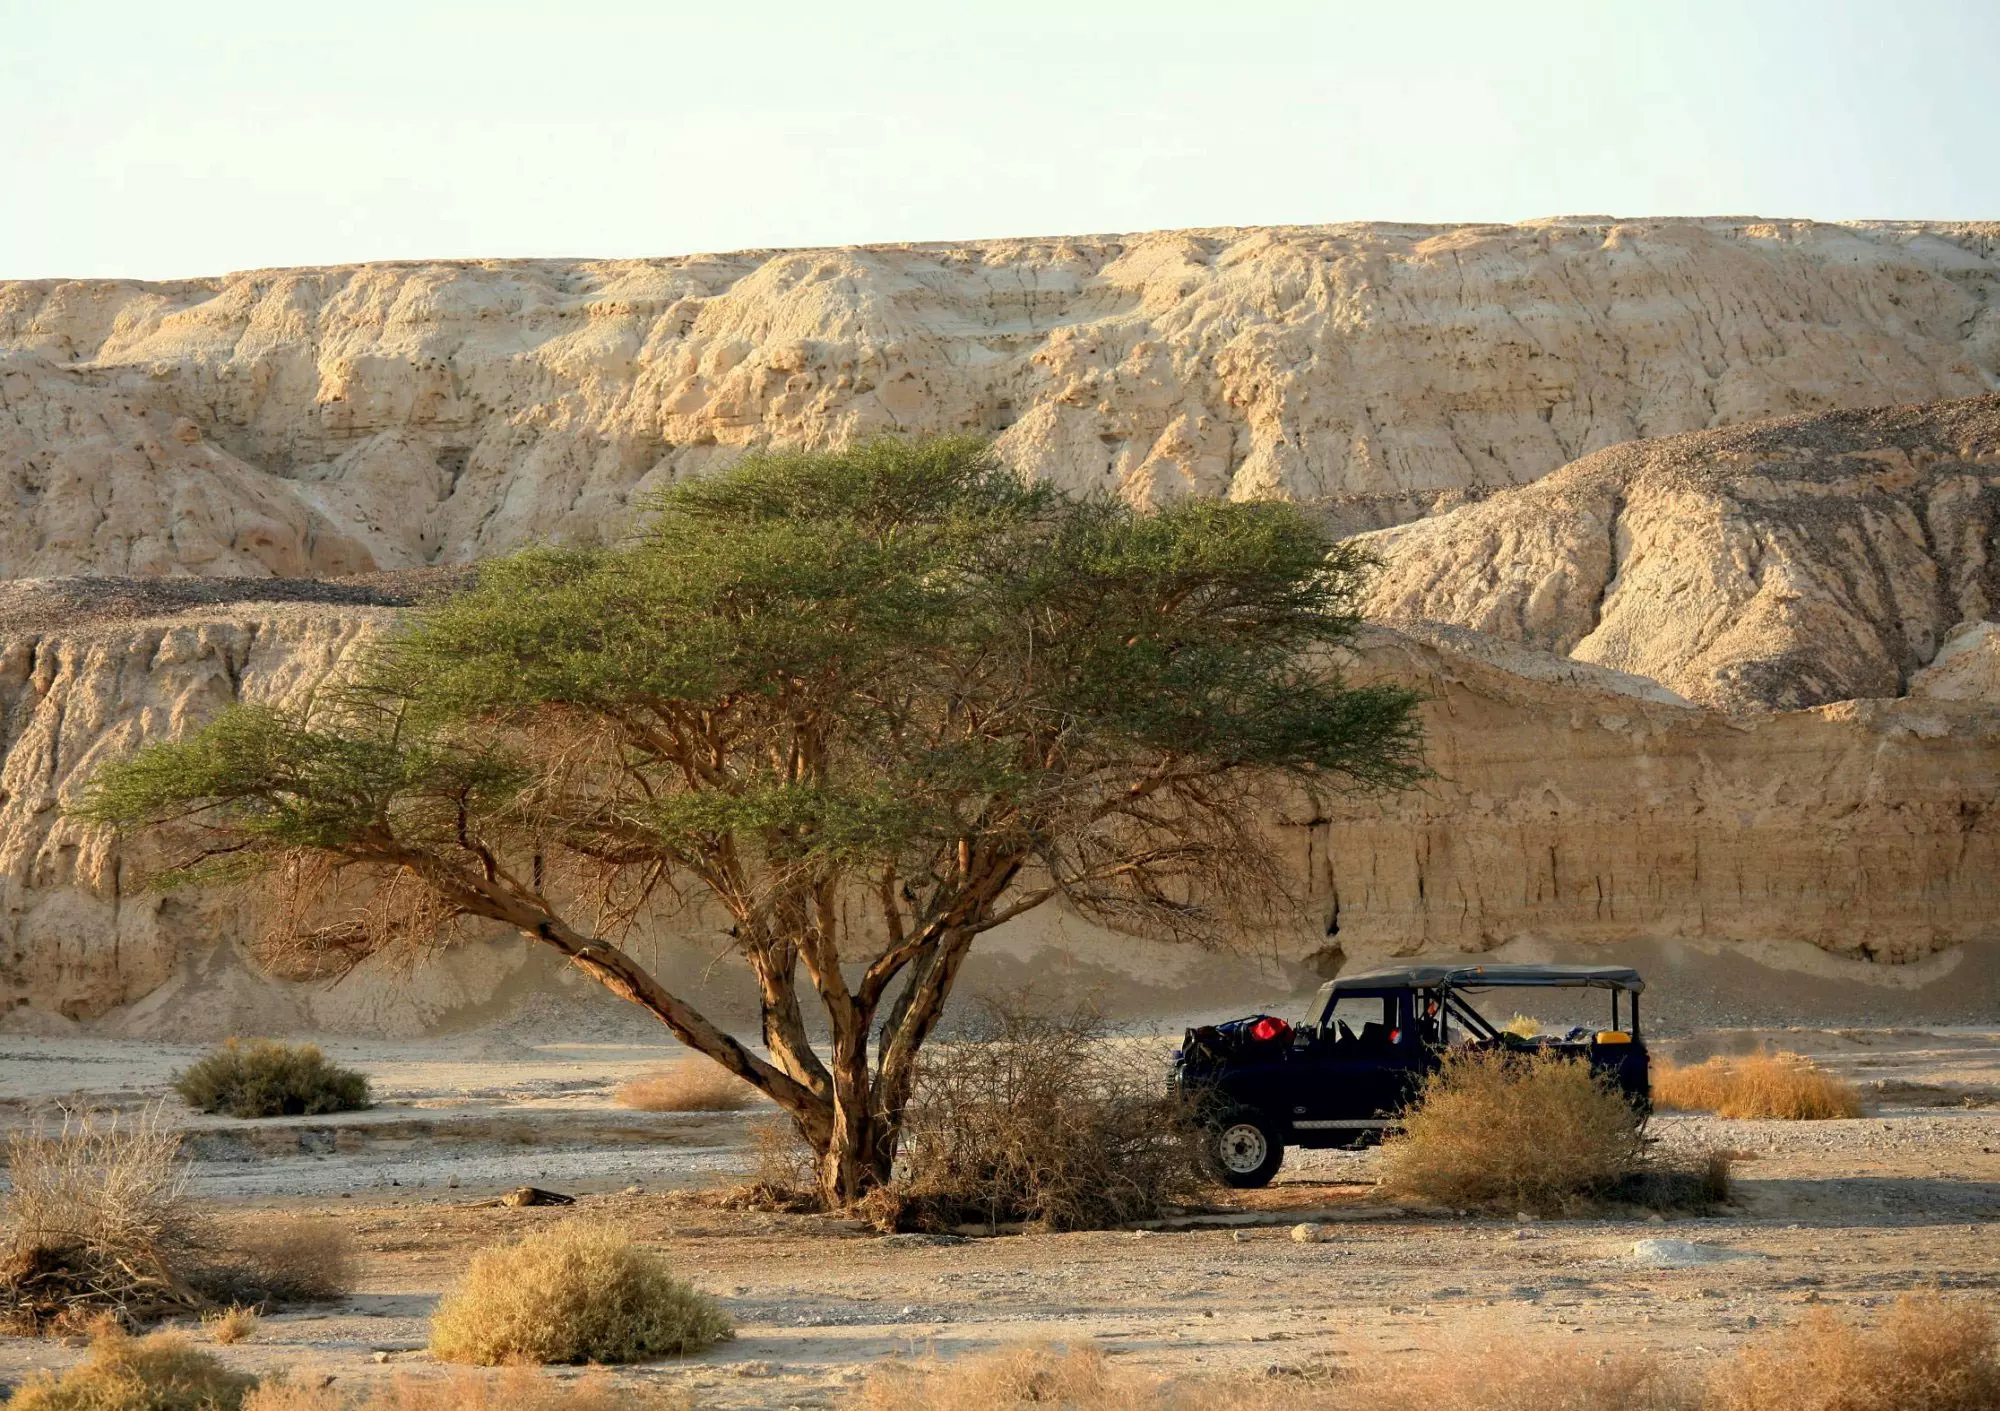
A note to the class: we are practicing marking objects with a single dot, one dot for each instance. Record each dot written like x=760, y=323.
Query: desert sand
x=1847, y=1213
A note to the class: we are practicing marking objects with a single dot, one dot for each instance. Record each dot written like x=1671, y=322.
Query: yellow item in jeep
x=1613, y=1036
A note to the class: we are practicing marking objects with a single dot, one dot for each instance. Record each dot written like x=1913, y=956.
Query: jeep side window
x=1432, y=1023
x=1359, y=1019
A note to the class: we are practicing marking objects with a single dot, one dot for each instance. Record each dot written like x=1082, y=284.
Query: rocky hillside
x=322, y=421
x=1792, y=563
x=1731, y=685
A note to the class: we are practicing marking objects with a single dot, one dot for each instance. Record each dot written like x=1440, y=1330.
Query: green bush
x=265, y=1079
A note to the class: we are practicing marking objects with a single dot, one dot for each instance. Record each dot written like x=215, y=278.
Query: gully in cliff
x=1343, y=1077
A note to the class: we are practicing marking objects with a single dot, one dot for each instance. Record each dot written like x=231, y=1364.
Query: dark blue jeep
x=1344, y=1076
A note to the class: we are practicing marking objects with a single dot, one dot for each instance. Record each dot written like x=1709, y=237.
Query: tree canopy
x=870, y=703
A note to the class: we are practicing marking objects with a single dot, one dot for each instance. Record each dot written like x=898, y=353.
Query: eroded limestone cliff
x=324, y=421
x=1785, y=564
x=1572, y=805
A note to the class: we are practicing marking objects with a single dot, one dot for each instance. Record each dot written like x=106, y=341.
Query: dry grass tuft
x=99, y=1221
x=276, y=1258
x=1516, y=1377
x=575, y=1292
x=515, y=1389
x=695, y=1085
x=1510, y=1378
x=1932, y=1352
x=1782, y=1085
x=1045, y=1122
x=265, y=1079
x=122, y=1373
x=230, y=1325
x=1504, y=1131
x=1079, y=1379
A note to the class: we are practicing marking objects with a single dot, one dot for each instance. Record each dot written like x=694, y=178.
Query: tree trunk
x=848, y=1167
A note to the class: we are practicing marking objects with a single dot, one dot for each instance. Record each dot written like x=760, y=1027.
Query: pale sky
x=203, y=136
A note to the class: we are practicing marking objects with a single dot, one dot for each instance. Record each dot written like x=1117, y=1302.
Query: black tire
x=1244, y=1150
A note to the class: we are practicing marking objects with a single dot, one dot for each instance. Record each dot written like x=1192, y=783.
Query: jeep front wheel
x=1244, y=1151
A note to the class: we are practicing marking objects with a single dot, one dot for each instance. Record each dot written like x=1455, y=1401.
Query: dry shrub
x=515, y=1389
x=277, y=1258
x=1079, y=1379
x=575, y=1292
x=98, y=1221
x=1782, y=1085
x=786, y=1179
x=1042, y=1121
x=1932, y=1352
x=122, y=1373
x=1507, y=1131
x=1514, y=1376
x=265, y=1079
x=696, y=1085
x=230, y=1325
x=1510, y=1378
x=1683, y=1182
x=281, y=1393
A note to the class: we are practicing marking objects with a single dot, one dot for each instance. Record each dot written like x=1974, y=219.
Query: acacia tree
x=871, y=704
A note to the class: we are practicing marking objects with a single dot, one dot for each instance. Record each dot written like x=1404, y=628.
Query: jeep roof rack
x=1596, y=977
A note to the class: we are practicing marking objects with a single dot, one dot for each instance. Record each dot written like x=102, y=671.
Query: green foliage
x=333, y=775
x=265, y=1079
x=830, y=659
x=896, y=645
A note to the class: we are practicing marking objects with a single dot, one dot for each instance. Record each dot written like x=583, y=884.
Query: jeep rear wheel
x=1243, y=1151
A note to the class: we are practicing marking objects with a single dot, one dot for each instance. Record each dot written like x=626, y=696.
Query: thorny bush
x=1042, y=1120
x=99, y=1223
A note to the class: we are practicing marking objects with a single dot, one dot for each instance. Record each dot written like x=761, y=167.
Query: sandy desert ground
x=1844, y=1212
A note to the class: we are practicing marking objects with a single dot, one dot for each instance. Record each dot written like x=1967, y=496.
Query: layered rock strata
x=313, y=422
x=1577, y=805
x=1572, y=803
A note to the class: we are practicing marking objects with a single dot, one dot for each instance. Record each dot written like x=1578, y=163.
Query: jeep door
x=1361, y=1069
